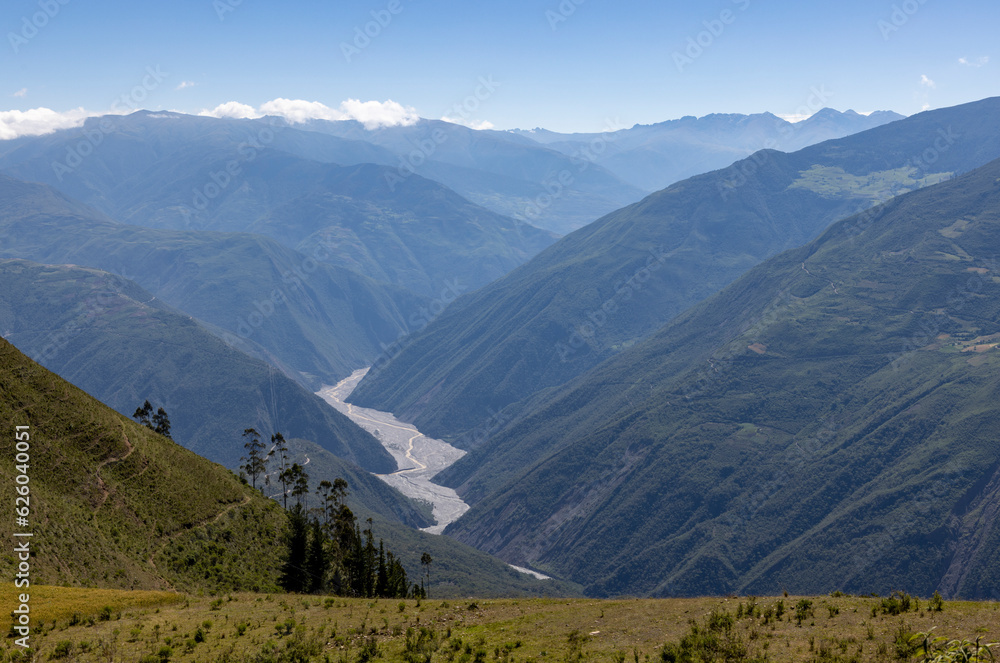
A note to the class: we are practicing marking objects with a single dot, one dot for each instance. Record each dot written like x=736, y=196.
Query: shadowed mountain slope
x=826, y=422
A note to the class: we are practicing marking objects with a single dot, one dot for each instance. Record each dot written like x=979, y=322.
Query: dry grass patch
x=53, y=604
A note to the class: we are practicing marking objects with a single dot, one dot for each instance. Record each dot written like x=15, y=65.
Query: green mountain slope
x=114, y=505
x=316, y=321
x=612, y=283
x=123, y=345
x=828, y=421
x=109, y=498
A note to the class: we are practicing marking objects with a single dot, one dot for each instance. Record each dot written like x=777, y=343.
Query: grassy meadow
x=74, y=624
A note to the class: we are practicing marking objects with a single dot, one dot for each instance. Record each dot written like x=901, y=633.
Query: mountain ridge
x=608, y=285
x=188, y=173
x=123, y=346
x=332, y=320
x=823, y=423
x=654, y=156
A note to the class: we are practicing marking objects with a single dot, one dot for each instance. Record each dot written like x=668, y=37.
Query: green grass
x=833, y=181
x=240, y=627
x=108, y=496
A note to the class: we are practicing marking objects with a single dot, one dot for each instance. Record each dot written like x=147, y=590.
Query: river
x=418, y=457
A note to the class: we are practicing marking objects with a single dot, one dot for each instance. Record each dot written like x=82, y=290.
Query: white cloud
x=232, y=109
x=38, y=121
x=20, y=93
x=472, y=124
x=297, y=111
x=373, y=114
x=185, y=84
x=794, y=117
x=926, y=82
x=985, y=60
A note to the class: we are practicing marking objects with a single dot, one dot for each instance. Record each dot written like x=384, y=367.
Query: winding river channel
x=418, y=457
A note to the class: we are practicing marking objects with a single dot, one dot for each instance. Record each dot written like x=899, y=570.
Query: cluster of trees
x=330, y=554
x=158, y=421
x=327, y=552
x=293, y=475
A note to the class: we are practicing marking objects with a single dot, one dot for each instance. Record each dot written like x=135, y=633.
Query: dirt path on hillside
x=105, y=493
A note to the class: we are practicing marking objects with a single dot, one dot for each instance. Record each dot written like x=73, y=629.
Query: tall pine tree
x=317, y=559
x=293, y=569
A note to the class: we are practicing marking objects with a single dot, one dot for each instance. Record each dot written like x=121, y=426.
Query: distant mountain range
x=501, y=171
x=178, y=172
x=654, y=156
x=155, y=168
x=315, y=321
x=605, y=287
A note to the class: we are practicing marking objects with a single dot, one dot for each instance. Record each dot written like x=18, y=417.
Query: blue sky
x=569, y=65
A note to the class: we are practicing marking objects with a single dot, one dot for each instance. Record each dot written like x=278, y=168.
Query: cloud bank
x=479, y=125
x=38, y=121
x=372, y=114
